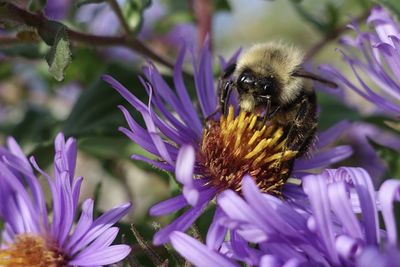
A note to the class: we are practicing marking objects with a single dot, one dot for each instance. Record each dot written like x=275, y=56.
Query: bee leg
x=308, y=138
x=224, y=89
x=223, y=99
x=225, y=95
x=297, y=122
x=266, y=115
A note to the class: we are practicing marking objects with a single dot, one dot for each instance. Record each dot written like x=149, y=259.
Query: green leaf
x=393, y=5
x=96, y=198
x=365, y=4
x=28, y=36
x=395, y=125
x=36, y=5
x=44, y=153
x=390, y=156
x=133, y=12
x=308, y=16
x=171, y=20
x=333, y=111
x=95, y=117
x=35, y=132
x=47, y=33
x=222, y=5
x=86, y=59
x=6, y=70
x=30, y=51
x=145, y=4
x=85, y=2
x=106, y=147
x=59, y=56
x=333, y=14
x=36, y=126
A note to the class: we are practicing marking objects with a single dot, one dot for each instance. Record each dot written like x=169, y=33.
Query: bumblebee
x=269, y=79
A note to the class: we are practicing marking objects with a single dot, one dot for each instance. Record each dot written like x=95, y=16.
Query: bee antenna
x=228, y=71
x=308, y=75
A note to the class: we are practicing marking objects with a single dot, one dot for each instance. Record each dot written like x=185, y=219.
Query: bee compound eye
x=248, y=80
x=267, y=86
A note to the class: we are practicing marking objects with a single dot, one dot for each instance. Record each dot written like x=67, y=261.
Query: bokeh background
x=34, y=106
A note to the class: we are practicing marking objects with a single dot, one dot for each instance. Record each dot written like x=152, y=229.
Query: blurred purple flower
x=174, y=133
x=335, y=223
x=54, y=240
x=57, y=9
x=183, y=32
x=377, y=68
x=99, y=18
x=359, y=135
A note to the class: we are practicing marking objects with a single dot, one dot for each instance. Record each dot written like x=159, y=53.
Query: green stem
x=332, y=35
x=118, y=12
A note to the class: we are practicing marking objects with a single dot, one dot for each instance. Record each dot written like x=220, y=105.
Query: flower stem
x=10, y=12
x=118, y=12
x=332, y=35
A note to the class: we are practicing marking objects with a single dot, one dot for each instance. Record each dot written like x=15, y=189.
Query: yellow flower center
x=241, y=145
x=30, y=250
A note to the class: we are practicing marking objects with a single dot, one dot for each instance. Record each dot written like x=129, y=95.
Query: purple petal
x=57, y=9
x=16, y=150
x=67, y=208
x=197, y=253
x=103, y=241
x=83, y=225
x=388, y=193
x=365, y=190
x=330, y=135
x=182, y=223
x=105, y=256
x=167, y=94
x=216, y=232
x=270, y=261
x=155, y=163
x=315, y=187
x=183, y=94
x=100, y=225
x=168, y=206
x=324, y=158
x=340, y=202
x=76, y=188
x=235, y=207
x=384, y=25
x=184, y=173
x=184, y=165
x=347, y=247
x=271, y=212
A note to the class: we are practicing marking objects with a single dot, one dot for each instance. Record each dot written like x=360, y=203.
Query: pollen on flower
x=235, y=146
x=30, y=250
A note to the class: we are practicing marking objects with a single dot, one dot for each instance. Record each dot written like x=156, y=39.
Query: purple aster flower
x=57, y=9
x=208, y=159
x=377, y=68
x=33, y=235
x=359, y=135
x=333, y=223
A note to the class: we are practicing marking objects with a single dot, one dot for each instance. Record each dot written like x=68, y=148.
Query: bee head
x=249, y=82
x=265, y=70
x=257, y=88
